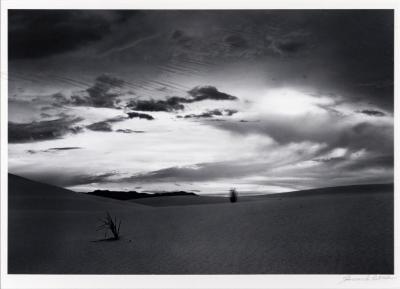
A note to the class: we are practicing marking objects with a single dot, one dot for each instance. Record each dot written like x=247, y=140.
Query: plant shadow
x=105, y=240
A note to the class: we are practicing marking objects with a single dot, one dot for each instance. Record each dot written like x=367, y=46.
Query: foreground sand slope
x=51, y=231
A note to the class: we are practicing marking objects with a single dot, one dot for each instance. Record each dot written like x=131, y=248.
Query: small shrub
x=233, y=195
x=110, y=224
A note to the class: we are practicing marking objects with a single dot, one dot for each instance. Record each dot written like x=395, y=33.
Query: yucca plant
x=110, y=224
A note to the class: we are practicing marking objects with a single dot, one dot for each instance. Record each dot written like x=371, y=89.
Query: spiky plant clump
x=110, y=224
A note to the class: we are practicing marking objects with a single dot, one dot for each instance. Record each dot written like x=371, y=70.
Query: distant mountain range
x=129, y=195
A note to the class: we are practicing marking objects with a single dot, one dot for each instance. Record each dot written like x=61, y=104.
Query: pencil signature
x=347, y=278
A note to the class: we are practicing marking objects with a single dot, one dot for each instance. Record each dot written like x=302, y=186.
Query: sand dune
x=51, y=231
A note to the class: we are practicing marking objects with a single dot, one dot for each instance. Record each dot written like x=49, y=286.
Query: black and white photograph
x=200, y=142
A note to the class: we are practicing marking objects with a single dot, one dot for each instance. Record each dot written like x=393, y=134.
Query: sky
x=264, y=101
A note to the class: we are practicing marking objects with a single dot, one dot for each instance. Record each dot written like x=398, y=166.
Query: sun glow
x=293, y=103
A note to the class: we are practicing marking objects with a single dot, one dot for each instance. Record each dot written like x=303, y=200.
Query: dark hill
x=130, y=195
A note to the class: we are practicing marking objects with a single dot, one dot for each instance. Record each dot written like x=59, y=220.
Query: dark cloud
x=129, y=131
x=330, y=159
x=140, y=115
x=100, y=126
x=372, y=112
x=45, y=115
x=211, y=113
x=103, y=93
x=106, y=90
x=41, y=33
x=82, y=179
x=170, y=104
x=62, y=114
x=200, y=93
x=199, y=172
x=230, y=112
x=326, y=173
x=375, y=137
x=360, y=57
x=42, y=130
x=379, y=161
x=61, y=179
x=175, y=103
x=54, y=150
x=59, y=100
x=105, y=125
x=363, y=52
x=59, y=97
x=207, y=114
x=207, y=172
x=64, y=149
x=116, y=119
x=78, y=100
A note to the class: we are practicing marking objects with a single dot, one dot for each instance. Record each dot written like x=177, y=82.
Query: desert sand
x=344, y=230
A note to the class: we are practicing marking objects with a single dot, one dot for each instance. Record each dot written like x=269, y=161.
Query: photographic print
x=200, y=142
